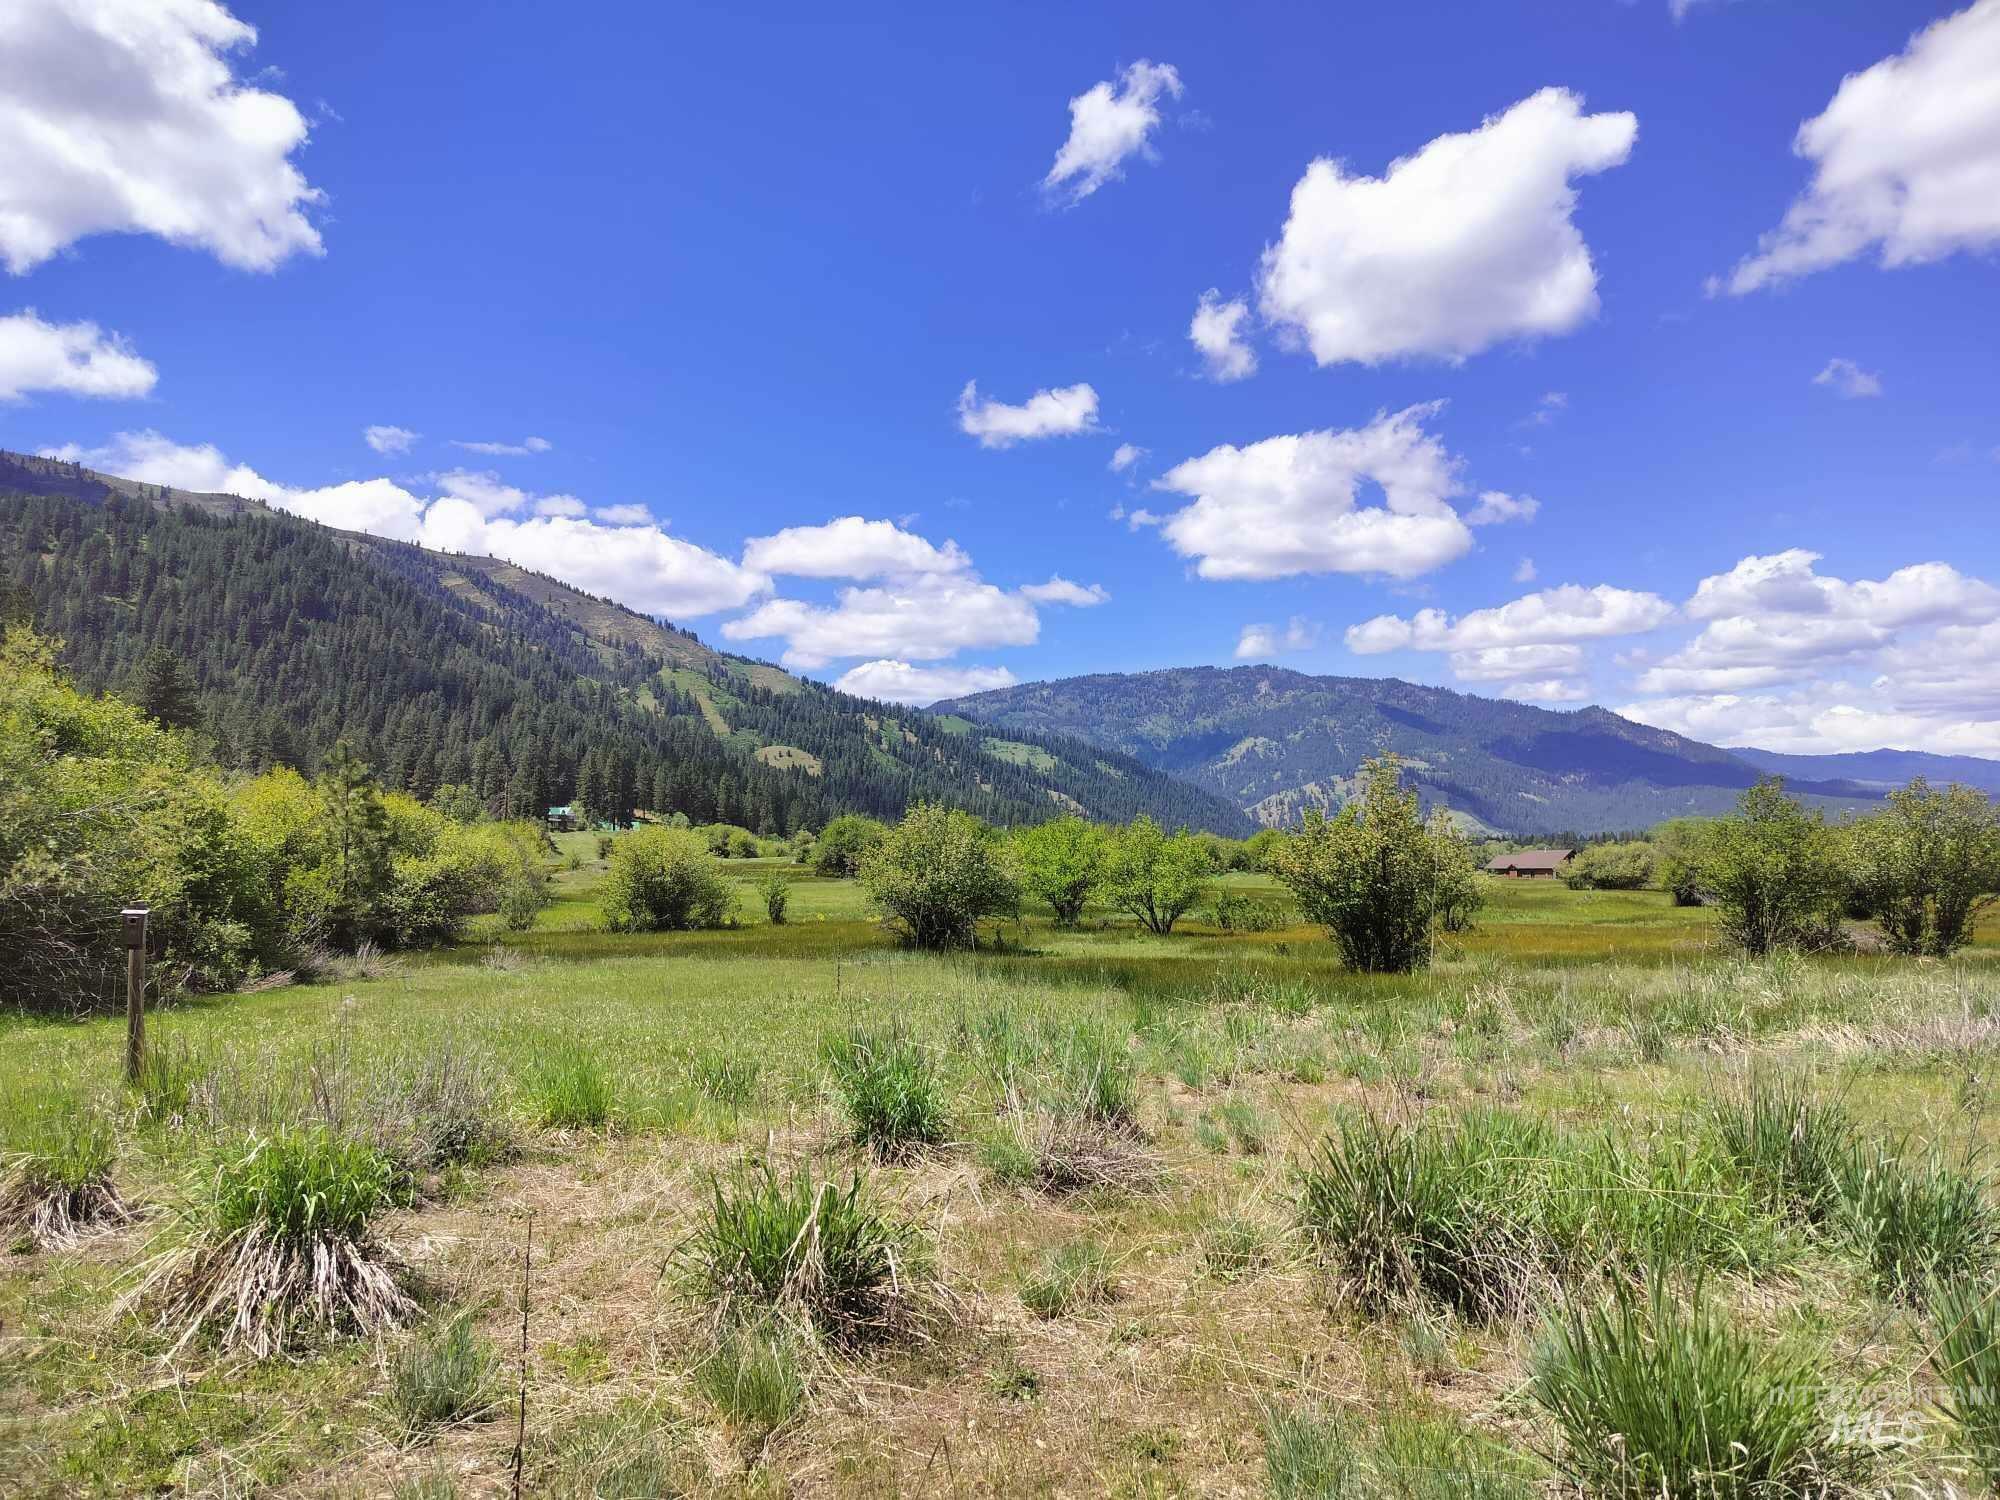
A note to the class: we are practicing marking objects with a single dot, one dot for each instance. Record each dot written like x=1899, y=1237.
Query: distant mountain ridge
x=1882, y=770
x=445, y=668
x=1274, y=742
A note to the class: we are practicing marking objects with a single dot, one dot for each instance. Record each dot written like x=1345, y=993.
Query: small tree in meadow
x=1156, y=878
x=1927, y=864
x=1674, y=843
x=776, y=891
x=1061, y=863
x=846, y=842
x=1611, y=867
x=935, y=874
x=1376, y=875
x=1776, y=871
x=664, y=880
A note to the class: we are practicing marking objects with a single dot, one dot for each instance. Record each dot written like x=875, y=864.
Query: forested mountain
x=1275, y=742
x=277, y=637
x=1881, y=770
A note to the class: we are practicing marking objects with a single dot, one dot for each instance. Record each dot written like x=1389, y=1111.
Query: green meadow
x=1118, y=1183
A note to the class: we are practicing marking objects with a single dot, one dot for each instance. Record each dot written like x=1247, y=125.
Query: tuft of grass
x=1061, y=1154
x=569, y=1089
x=178, y=1082
x=800, y=1244
x=1794, y=1147
x=1095, y=1077
x=890, y=1089
x=724, y=1078
x=1404, y=1214
x=443, y=1378
x=276, y=1242
x=1967, y=1360
x=1070, y=1277
x=1660, y=1395
x=56, y=1155
x=1014, y=1381
x=1427, y=1455
x=1919, y=1223
x=755, y=1379
x=1233, y=1248
x=1309, y=1456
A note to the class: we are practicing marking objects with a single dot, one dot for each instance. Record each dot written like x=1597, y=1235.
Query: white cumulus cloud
x=1061, y=412
x=386, y=439
x=1497, y=508
x=1292, y=504
x=1059, y=590
x=1549, y=617
x=926, y=617
x=1124, y=456
x=851, y=547
x=1257, y=642
x=1468, y=242
x=1906, y=160
x=125, y=116
x=1109, y=122
x=76, y=359
x=1217, y=332
x=902, y=682
x=505, y=450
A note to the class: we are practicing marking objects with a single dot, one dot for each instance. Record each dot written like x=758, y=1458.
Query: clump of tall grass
x=755, y=1377
x=1966, y=1315
x=724, y=1078
x=1662, y=1396
x=1416, y=1455
x=436, y=1108
x=1919, y=1222
x=890, y=1089
x=277, y=1241
x=56, y=1155
x=800, y=1245
x=1082, y=1069
x=1069, y=1277
x=180, y=1084
x=1234, y=1247
x=1405, y=1214
x=1794, y=1147
x=1067, y=1153
x=444, y=1378
x=568, y=1088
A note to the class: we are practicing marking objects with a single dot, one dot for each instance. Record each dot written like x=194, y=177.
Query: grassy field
x=1130, y=1277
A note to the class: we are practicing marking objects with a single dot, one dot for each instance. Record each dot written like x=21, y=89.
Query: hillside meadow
x=1162, y=1303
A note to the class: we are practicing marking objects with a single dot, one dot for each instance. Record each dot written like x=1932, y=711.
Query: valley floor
x=1592, y=1013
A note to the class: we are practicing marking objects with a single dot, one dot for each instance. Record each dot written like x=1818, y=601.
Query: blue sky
x=734, y=275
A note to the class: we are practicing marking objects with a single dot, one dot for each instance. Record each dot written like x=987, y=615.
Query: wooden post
x=135, y=990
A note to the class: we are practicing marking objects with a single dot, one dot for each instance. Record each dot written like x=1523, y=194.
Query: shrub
x=1966, y=1315
x=935, y=874
x=569, y=1088
x=1674, y=844
x=443, y=1378
x=56, y=1155
x=1238, y=911
x=1069, y=1277
x=1157, y=879
x=796, y=1243
x=1928, y=863
x=1061, y=863
x=664, y=880
x=776, y=891
x=1611, y=867
x=890, y=1089
x=1376, y=875
x=278, y=1242
x=1915, y=1224
x=1795, y=1149
x=845, y=844
x=1776, y=871
x=753, y=1376
x=1663, y=1397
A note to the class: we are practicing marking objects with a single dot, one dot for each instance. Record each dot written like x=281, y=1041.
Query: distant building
x=1530, y=863
x=563, y=819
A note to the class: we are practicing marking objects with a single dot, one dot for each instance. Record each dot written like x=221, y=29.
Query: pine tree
x=359, y=832
x=165, y=691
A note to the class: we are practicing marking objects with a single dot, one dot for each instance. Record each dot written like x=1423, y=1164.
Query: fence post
x=135, y=990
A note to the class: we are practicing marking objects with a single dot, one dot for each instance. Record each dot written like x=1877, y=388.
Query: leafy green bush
x=935, y=874
x=1928, y=863
x=1157, y=879
x=1660, y=1397
x=799, y=1243
x=1377, y=876
x=443, y=1378
x=776, y=891
x=1061, y=863
x=1610, y=867
x=890, y=1088
x=1776, y=870
x=664, y=880
x=845, y=844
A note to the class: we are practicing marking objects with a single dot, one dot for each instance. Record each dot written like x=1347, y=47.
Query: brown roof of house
x=1530, y=859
